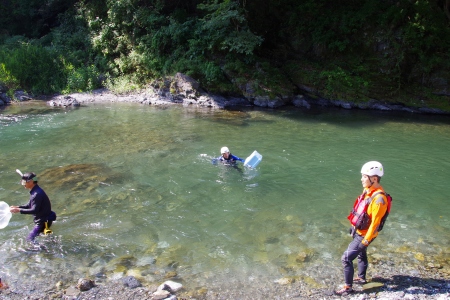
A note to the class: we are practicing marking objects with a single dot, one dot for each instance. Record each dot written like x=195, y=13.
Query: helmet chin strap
x=371, y=182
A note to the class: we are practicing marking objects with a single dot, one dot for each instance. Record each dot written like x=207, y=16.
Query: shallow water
x=136, y=193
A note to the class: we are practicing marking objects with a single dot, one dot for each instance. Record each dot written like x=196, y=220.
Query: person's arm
x=378, y=209
x=29, y=211
x=33, y=206
x=237, y=158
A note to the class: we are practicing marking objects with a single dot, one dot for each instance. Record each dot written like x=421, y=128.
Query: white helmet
x=224, y=150
x=372, y=168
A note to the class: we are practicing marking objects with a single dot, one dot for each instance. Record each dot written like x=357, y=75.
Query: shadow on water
x=352, y=117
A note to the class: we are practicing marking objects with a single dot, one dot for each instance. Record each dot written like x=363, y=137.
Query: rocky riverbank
x=184, y=90
x=390, y=280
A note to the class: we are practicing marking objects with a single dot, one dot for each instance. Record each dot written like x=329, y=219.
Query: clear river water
x=136, y=193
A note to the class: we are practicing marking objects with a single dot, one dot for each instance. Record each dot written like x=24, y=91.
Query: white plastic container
x=253, y=160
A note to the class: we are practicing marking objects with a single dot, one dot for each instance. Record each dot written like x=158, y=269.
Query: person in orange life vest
x=371, y=174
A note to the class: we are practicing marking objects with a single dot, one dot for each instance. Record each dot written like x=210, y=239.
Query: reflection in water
x=136, y=192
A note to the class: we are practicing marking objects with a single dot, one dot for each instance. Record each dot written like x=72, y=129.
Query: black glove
x=352, y=231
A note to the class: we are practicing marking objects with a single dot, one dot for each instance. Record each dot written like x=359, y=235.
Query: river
x=136, y=193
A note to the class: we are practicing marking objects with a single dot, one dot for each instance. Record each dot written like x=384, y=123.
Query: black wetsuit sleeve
x=39, y=205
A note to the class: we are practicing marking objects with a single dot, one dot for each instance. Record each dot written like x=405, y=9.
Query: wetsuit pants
x=38, y=228
x=355, y=250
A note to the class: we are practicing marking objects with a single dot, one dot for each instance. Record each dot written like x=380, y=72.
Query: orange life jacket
x=358, y=216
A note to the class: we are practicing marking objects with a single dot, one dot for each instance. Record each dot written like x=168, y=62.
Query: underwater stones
x=272, y=240
x=419, y=256
x=131, y=282
x=78, y=176
x=145, y=260
x=285, y=280
x=261, y=256
x=311, y=282
x=378, y=256
x=85, y=284
x=403, y=249
x=296, y=259
x=305, y=255
x=125, y=260
x=87, y=202
x=170, y=274
x=196, y=293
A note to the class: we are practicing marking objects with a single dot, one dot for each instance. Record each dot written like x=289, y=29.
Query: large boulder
x=185, y=85
x=67, y=101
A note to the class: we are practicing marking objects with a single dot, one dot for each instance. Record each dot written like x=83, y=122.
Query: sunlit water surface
x=136, y=193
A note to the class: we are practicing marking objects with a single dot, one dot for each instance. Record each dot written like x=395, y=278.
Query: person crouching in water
x=371, y=174
x=228, y=158
x=39, y=206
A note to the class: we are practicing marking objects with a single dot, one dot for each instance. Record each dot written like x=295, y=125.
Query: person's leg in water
x=38, y=229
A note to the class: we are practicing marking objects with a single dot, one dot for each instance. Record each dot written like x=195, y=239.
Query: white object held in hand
x=5, y=214
x=253, y=160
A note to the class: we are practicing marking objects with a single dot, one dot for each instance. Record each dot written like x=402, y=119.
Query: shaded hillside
x=394, y=51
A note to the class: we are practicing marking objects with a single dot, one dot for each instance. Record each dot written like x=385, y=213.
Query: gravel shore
x=414, y=282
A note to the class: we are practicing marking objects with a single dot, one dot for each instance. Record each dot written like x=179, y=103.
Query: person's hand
x=365, y=242
x=14, y=209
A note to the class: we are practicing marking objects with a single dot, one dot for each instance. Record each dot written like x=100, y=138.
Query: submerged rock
x=131, y=282
x=85, y=284
x=170, y=286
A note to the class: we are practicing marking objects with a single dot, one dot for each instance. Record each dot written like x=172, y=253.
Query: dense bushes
x=353, y=46
x=34, y=68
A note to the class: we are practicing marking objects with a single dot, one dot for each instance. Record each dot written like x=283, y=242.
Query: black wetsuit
x=40, y=207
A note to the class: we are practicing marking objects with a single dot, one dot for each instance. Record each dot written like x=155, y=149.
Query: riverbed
x=137, y=195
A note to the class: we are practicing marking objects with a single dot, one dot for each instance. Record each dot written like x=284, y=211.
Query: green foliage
x=35, y=68
x=420, y=42
x=8, y=80
x=31, y=18
x=224, y=27
x=357, y=47
x=123, y=84
x=337, y=82
x=71, y=39
x=81, y=79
